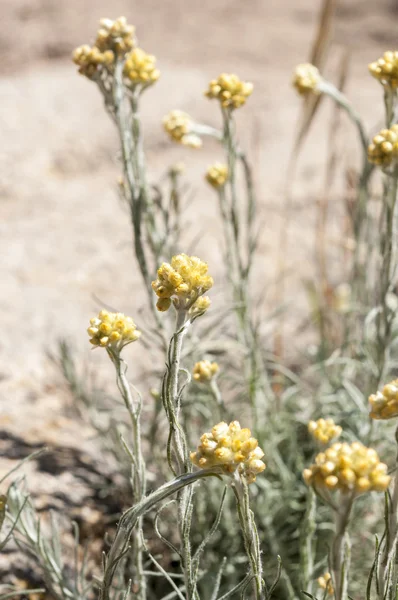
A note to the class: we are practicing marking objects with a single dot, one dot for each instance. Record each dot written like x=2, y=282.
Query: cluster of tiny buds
x=115, y=42
x=325, y=583
x=204, y=371
x=217, y=175
x=350, y=468
x=140, y=68
x=229, y=90
x=306, y=79
x=384, y=404
x=180, y=127
x=383, y=150
x=231, y=448
x=114, y=39
x=112, y=330
x=385, y=69
x=324, y=430
x=183, y=281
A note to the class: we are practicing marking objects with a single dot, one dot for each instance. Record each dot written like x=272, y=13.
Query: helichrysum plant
x=269, y=508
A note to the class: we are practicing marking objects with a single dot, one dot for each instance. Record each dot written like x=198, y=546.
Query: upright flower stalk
x=114, y=331
x=238, y=455
x=240, y=243
x=339, y=475
x=182, y=283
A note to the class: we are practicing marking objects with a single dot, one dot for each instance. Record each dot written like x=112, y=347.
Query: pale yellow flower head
x=385, y=69
x=231, y=448
x=180, y=128
x=91, y=60
x=306, y=79
x=140, y=68
x=204, y=371
x=229, y=90
x=384, y=404
x=383, y=150
x=183, y=281
x=117, y=36
x=324, y=430
x=349, y=468
x=112, y=330
x=217, y=175
x=325, y=583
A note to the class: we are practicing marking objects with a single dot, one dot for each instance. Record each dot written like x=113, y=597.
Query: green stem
x=339, y=557
x=250, y=535
x=138, y=472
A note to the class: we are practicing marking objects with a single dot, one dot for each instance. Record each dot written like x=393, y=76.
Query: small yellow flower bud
x=306, y=79
x=383, y=150
x=217, y=175
x=325, y=583
x=229, y=90
x=180, y=128
x=204, y=371
x=139, y=68
x=385, y=69
x=384, y=404
x=231, y=448
x=185, y=280
x=324, y=430
x=113, y=331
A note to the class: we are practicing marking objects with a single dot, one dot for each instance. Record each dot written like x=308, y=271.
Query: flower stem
x=250, y=534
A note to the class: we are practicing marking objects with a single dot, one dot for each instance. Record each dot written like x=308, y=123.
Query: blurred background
x=65, y=237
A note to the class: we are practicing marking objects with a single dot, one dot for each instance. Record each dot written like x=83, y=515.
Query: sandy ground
x=65, y=239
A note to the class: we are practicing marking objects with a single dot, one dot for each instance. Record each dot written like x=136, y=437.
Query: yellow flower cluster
x=384, y=404
x=306, y=79
x=231, y=448
x=229, y=90
x=325, y=583
x=205, y=370
x=112, y=330
x=113, y=38
x=184, y=280
x=90, y=60
x=179, y=125
x=324, y=430
x=350, y=468
x=385, y=69
x=140, y=67
x=384, y=148
x=217, y=175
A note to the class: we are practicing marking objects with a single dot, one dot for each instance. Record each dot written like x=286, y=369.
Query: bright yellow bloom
x=184, y=281
x=306, y=79
x=324, y=430
x=204, y=371
x=232, y=448
x=384, y=404
x=384, y=148
x=92, y=60
x=229, y=90
x=217, y=175
x=140, y=67
x=350, y=468
x=117, y=36
x=385, y=69
x=325, y=583
x=112, y=330
x=179, y=126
